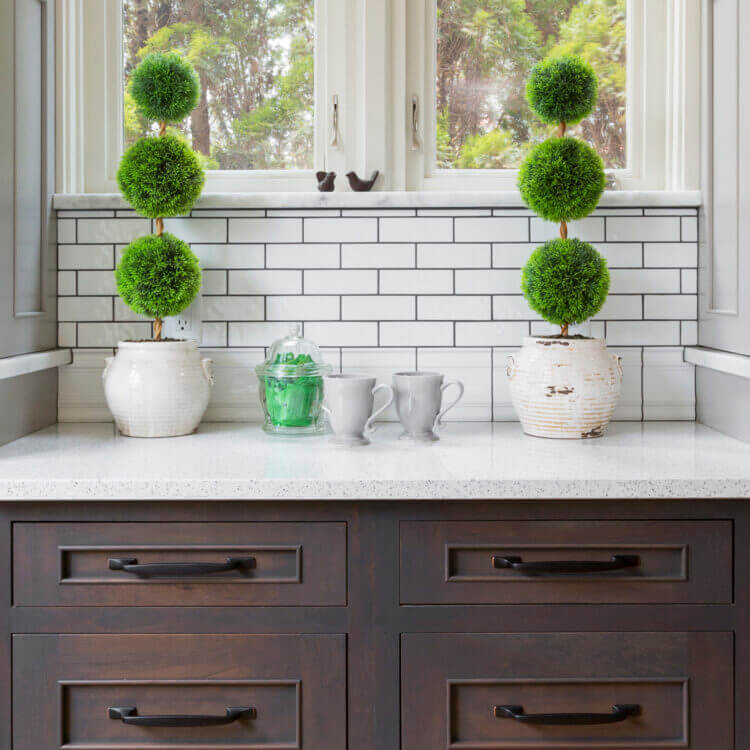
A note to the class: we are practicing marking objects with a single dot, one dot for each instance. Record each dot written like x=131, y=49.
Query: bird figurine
x=361, y=186
x=325, y=181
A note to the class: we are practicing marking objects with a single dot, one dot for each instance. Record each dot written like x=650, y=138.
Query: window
x=255, y=61
x=429, y=92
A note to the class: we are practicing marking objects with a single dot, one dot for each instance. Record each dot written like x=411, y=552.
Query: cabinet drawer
x=273, y=691
x=184, y=564
x=635, y=690
x=539, y=562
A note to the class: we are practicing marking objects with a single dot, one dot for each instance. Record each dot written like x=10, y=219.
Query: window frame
x=375, y=55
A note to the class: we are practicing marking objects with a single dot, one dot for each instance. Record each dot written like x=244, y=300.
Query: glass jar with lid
x=291, y=386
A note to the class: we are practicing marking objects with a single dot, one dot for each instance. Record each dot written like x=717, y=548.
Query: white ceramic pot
x=564, y=388
x=157, y=388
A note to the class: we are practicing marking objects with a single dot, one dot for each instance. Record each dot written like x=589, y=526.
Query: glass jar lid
x=293, y=357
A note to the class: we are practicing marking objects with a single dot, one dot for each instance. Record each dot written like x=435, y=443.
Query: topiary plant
x=562, y=179
x=160, y=176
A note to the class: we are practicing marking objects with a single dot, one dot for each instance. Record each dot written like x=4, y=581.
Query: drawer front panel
x=539, y=562
x=592, y=690
x=271, y=691
x=190, y=564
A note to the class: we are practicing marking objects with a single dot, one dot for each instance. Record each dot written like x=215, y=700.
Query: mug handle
x=369, y=425
x=439, y=424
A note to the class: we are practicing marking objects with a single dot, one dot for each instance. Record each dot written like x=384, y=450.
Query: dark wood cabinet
x=457, y=625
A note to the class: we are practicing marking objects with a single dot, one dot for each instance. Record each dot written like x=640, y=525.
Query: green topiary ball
x=158, y=276
x=562, y=89
x=160, y=176
x=565, y=281
x=165, y=87
x=562, y=179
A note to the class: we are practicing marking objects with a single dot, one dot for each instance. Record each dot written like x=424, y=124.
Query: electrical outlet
x=186, y=325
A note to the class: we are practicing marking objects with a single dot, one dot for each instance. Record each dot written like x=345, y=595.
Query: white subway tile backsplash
x=416, y=282
x=85, y=256
x=670, y=307
x=340, y=230
x=386, y=290
x=378, y=307
x=488, y=282
x=302, y=256
x=214, y=282
x=644, y=281
x=416, y=334
x=343, y=334
x=341, y=282
x=84, y=308
x=454, y=307
x=671, y=254
x=232, y=308
x=442, y=255
x=66, y=231
x=96, y=231
x=96, y=282
x=302, y=307
x=416, y=230
x=66, y=283
x=197, y=230
x=644, y=229
x=590, y=229
x=643, y=333
x=265, y=230
x=493, y=229
x=368, y=255
x=490, y=334
x=265, y=282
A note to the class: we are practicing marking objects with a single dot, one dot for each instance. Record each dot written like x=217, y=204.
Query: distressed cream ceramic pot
x=157, y=388
x=564, y=388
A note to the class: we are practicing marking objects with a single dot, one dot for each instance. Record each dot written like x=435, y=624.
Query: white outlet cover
x=186, y=325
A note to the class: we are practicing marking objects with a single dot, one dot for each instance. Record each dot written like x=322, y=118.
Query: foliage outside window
x=254, y=59
x=485, y=52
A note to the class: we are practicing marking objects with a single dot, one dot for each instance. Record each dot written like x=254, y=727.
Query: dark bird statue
x=361, y=186
x=325, y=181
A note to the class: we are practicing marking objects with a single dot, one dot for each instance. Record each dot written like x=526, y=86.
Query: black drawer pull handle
x=179, y=569
x=129, y=715
x=616, y=562
x=620, y=712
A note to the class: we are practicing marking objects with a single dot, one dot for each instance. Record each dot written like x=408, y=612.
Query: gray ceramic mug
x=419, y=396
x=348, y=404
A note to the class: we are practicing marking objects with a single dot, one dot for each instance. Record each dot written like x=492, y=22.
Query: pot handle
x=107, y=364
x=208, y=370
x=510, y=367
x=618, y=360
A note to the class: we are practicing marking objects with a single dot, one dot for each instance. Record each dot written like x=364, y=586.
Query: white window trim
x=375, y=61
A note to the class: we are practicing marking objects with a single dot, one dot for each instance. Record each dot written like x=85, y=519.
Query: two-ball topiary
x=562, y=89
x=565, y=281
x=562, y=179
x=158, y=276
x=160, y=176
x=165, y=87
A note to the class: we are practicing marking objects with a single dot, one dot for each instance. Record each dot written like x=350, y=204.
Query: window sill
x=716, y=359
x=24, y=364
x=379, y=200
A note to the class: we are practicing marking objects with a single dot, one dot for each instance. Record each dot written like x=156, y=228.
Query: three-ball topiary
x=562, y=179
x=565, y=281
x=165, y=87
x=158, y=276
x=160, y=176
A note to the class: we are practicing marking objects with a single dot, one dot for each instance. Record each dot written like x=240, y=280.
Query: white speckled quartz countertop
x=472, y=461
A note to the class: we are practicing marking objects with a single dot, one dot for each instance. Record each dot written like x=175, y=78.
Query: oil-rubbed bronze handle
x=179, y=569
x=616, y=562
x=129, y=715
x=620, y=712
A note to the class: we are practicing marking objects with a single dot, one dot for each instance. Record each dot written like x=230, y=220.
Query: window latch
x=415, y=123
x=335, y=120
